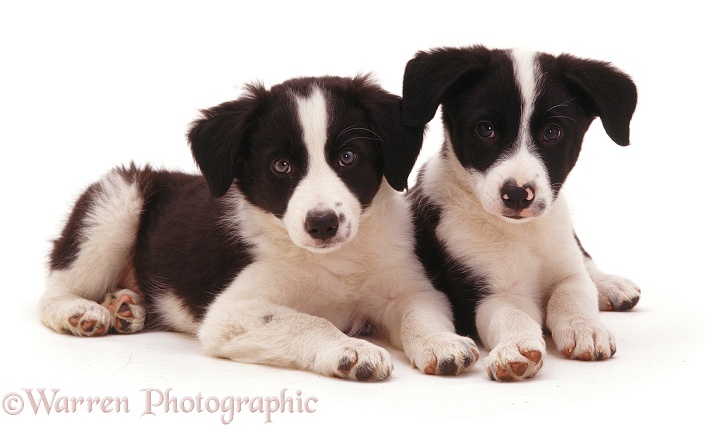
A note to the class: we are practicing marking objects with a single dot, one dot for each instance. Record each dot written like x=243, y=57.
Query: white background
x=87, y=86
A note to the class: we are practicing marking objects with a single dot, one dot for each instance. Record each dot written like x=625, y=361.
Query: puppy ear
x=216, y=137
x=400, y=145
x=606, y=91
x=429, y=75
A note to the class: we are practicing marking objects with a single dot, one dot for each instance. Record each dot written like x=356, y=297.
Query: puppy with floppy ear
x=493, y=229
x=292, y=243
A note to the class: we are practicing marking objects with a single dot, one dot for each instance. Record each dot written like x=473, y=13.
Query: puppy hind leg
x=128, y=316
x=615, y=293
x=92, y=255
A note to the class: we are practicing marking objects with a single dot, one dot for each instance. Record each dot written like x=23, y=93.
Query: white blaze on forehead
x=527, y=77
x=313, y=120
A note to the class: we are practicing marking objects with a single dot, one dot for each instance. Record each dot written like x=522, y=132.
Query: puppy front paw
x=444, y=354
x=516, y=359
x=356, y=359
x=584, y=339
x=616, y=293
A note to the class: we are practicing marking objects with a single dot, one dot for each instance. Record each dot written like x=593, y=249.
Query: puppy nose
x=321, y=225
x=515, y=197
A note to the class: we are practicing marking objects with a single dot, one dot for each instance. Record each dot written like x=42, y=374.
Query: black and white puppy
x=494, y=231
x=291, y=244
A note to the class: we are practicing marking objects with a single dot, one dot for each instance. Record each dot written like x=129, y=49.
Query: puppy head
x=515, y=121
x=311, y=151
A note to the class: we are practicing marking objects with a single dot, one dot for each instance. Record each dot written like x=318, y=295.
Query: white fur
x=174, y=314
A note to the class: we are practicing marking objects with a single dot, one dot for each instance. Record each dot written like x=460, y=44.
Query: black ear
x=216, y=137
x=429, y=75
x=400, y=145
x=606, y=91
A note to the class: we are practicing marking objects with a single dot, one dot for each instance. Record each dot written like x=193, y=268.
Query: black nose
x=515, y=197
x=321, y=225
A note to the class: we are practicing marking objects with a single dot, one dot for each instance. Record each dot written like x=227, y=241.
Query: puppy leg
x=511, y=327
x=257, y=331
x=572, y=318
x=66, y=312
x=92, y=257
x=420, y=322
x=615, y=293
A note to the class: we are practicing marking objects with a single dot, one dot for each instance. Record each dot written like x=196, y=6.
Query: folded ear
x=605, y=91
x=400, y=145
x=429, y=75
x=216, y=137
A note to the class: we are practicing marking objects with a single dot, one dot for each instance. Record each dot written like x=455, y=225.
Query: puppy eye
x=552, y=134
x=485, y=130
x=281, y=166
x=347, y=158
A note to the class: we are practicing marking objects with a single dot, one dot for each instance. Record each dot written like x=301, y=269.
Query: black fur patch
x=446, y=273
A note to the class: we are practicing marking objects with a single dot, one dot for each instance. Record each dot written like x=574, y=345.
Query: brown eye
x=281, y=166
x=485, y=130
x=347, y=158
x=552, y=134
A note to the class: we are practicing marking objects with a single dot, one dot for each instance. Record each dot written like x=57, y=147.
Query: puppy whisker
x=563, y=117
x=349, y=128
x=563, y=104
x=361, y=137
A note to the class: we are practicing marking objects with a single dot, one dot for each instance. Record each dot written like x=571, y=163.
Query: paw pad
x=128, y=315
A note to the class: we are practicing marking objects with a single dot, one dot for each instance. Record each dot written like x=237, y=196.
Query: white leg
x=572, y=317
x=421, y=324
x=258, y=331
x=511, y=327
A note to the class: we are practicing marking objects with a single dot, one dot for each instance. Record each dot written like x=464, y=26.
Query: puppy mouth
x=523, y=215
x=326, y=245
x=518, y=218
